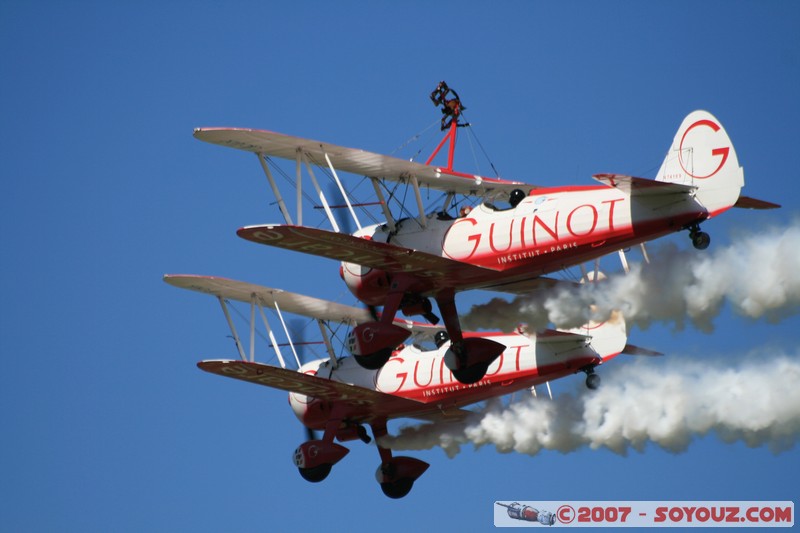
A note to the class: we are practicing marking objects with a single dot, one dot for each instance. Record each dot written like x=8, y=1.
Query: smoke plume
x=757, y=402
x=758, y=276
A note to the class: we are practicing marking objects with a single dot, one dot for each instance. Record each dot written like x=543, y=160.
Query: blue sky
x=107, y=423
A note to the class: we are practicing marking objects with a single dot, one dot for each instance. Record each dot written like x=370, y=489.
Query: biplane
x=508, y=239
x=340, y=397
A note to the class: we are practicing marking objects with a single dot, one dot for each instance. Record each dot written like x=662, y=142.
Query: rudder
x=702, y=155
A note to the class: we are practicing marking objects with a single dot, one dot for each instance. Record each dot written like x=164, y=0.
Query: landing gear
x=372, y=343
x=397, y=489
x=470, y=359
x=315, y=458
x=592, y=379
x=700, y=239
x=374, y=361
x=471, y=374
x=317, y=473
x=396, y=475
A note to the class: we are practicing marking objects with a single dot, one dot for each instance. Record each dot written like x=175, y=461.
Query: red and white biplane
x=482, y=233
x=340, y=397
x=405, y=262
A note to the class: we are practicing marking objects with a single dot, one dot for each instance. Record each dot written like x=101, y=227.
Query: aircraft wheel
x=375, y=360
x=316, y=474
x=701, y=240
x=471, y=374
x=593, y=381
x=398, y=488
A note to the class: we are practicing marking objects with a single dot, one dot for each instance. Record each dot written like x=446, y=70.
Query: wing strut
x=275, y=190
x=320, y=194
x=272, y=338
x=549, y=391
x=288, y=336
x=233, y=328
x=328, y=345
x=252, y=327
x=388, y=214
x=415, y=184
x=299, y=173
x=624, y=261
x=341, y=190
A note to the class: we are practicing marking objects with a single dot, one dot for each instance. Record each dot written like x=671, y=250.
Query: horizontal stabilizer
x=642, y=186
x=630, y=349
x=555, y=336
x=745, y=202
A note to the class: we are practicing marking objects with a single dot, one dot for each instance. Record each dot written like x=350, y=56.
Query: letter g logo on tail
x=701, y=137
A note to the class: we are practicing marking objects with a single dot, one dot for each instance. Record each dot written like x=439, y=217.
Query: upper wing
x=354, y=160
x=361, y=404
x=290, y=302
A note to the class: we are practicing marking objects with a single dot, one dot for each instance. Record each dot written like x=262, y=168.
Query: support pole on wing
x=384, y=206
x=321, y=195
x=299, y=175
x=233, y=328
x=447, y=201
x=624, y=261
x=288, y=335
x=420, y=206
x=341, y=190
x=446, y=300
x=644, y=254
x=271, y=335
x=328, y=345
x=252, y=327
x=275, y=190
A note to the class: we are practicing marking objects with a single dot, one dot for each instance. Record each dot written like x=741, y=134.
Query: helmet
x=440, y=338
x=516, y=196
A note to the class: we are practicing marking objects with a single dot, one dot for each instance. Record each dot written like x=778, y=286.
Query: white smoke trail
x=759, y=276
x=758, y=403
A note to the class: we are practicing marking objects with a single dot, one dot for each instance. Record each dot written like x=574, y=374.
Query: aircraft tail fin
x=702, y=156
x=608, y=338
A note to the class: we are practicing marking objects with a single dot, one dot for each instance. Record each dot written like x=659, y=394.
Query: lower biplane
x=483, y=233
x=341, y=398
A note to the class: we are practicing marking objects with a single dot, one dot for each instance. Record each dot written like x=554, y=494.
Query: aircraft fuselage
x=549, y=230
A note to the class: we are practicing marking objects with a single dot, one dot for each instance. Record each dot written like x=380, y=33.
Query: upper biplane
x=340, y=397
x=513, y=235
